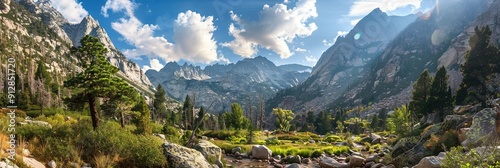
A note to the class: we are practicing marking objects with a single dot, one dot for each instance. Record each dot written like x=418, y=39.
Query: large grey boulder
x=483, y=128
x=430, y=162
x=375, y=138
x=327, y=162
x=183, y=157
x=209, y=150
x=261, y=152
x=356, y=161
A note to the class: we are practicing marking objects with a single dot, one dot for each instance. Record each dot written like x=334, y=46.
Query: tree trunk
x=93, y=112
x=123, y=119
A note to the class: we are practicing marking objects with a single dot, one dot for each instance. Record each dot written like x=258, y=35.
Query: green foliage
x=333, y=138
x=235, y=118
x=187, y=115
x=400, y=119
x=322, y=123
x=420, y=94
x=482, y=60
x=273, y=141
x=283, y=118
x=440, y=98
x=143, y=123
x=98, y=78
x=486, y=157
x=159, y=103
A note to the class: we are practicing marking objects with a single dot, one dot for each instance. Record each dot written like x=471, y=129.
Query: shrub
x=222, y=135
x=273, y=141
x=479, y=157
x=316, y=153
x=157, y=128
x=31, y=131
x=305, y=152
x=333, y=138
x=335, y=150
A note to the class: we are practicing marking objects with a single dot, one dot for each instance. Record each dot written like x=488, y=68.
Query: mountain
x=379, y=71
x=295, y=67
x=343, y=64
x=251, y=78
x=65, y=33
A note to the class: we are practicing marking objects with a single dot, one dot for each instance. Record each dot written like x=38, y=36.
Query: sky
x=203, y=32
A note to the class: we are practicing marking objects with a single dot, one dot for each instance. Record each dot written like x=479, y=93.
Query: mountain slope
x=343, y=64
x=70, y=34
x=256, y=78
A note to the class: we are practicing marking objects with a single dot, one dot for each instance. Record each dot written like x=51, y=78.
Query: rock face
x=261, y=152
x=483, y=128
x=256, y=78
x=381, y=67
x=4, y=7
x=182, y=157
x=69, y=34
x=209, y=150
x=346, y=62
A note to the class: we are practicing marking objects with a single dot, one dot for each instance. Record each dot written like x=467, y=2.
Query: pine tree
x=283, y=119
x=322, y=123
x=440, y=98
x=143, y=124
x=236, y=117
x=420, y=94
x=98, y=78
x=159, y=102
x=187, y=114
x=482, y=60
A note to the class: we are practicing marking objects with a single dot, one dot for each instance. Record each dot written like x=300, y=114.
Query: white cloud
x=339, y=33
x=311, y=60
x=193, y=35
x=72, y=10
x=276, y=27
x=354, y=22
x=155, y=64
x=363, y=7
x=298, y=49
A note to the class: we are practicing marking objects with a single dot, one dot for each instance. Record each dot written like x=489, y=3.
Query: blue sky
x=202, y=32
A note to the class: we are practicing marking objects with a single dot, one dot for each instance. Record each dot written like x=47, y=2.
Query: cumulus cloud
x=154, y=64
x=339, y=33
x=363, y=7
x=193, y=35
x=276, y=27
x=311, y=60
x=72, y=10
x=298, y=49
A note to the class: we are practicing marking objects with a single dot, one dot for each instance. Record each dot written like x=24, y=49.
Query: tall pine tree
x=159, y=102
x=440, y=98
x=420, y=94
x=98, y=78
x=187, y=114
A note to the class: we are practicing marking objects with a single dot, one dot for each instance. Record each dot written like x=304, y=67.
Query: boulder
x=52, y=164
x=429, y=162
x=356, y=161
x=373, y=158
x=377, y=165
x=180, y=156
x=277, y=157
x=293, y=159
x=293, y=165
x=312, y=141
x=483, y=128
x=327, y=162
x=261, y=152
x=209, y=150
x=462, y=134
x=236, y=149
x=375, y=138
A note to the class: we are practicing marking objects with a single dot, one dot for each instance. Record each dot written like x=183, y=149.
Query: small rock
x=294, y=165
x=277, y=157
x=306, y=160
x=312, y=141
x=369, y=164
x=372, y=158
x=26, y=152
x=236, y=149
x=204, y=138
x=378, y=165
x=327, y=162
x=356, y=161
x=52, y=164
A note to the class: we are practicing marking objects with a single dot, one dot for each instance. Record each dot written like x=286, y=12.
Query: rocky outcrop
x=209, y=150
x=4, y=7
x=182, y=157
x=261, y=152
x=483, y=128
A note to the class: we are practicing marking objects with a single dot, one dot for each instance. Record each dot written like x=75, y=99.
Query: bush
x=222, y=135
x=316, y=153
x=29, y=131
x=157, y=128
x=333, y=138
x=479, y=157
x=273, y=141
